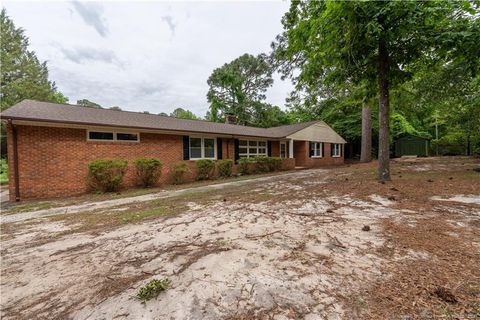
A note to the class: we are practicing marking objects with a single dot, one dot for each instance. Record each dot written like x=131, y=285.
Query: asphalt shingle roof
x=31, y=110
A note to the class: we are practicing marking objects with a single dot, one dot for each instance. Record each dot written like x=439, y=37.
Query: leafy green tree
x=117, y=108
x=23, y=76
x=183, y=114
x=238, y=88
x=88, y=103
x=444, y=100
x=365, y=42
x=268, y=116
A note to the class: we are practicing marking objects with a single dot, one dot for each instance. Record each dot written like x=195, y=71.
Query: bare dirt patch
x=296, y=247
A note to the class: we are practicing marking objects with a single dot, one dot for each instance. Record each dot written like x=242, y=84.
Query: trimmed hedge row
x=106, y=175
x=259, y=165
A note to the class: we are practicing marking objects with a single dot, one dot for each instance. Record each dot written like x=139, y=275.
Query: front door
x=283, y=150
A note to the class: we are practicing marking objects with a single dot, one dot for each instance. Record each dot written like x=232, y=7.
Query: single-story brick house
x=50, y=145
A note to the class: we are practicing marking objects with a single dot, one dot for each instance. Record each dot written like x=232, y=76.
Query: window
x=195, y=148
x=316, y=149
x=283, y=150
x=209, y=148
x=202, y=148
x=336, y=149
x=97, y=135
x=112, y=136
x=127, y=136
x=252, y=148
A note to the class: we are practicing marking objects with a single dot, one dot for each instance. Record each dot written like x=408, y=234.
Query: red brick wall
x=288, y=163
x=228, y=148
x=275, y=148
x=301, y=153
x=53, y=161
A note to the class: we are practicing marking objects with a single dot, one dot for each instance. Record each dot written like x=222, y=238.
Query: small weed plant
x=152, y=289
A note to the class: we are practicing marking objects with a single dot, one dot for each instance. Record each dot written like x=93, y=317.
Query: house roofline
x=84, y=125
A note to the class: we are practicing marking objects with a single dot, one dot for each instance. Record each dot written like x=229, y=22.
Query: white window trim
x=334, y=154
x=114, y=136
x=202, y=148
x=320, y=146
x=248, y=155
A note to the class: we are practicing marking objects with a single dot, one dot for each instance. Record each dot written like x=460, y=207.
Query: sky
x=147, y=56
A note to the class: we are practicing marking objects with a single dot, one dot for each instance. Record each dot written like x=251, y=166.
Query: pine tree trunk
x=366, y=152
x=384, y=112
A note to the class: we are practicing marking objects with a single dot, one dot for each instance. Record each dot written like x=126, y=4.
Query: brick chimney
x=230, y=118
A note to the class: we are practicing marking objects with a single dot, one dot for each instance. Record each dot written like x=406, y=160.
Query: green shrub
x=205, y=169
x=274, y=163
x=225, y=168
x=152, y=289
x=179, y=170
x=148, y=170
x=106, y=175
x=244, y=165
x=3, y=171
x=262, y=164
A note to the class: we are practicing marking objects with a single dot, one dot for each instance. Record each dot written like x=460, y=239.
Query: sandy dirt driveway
x=318, y=244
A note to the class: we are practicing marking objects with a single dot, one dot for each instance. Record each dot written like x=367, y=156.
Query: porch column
x=290, y=148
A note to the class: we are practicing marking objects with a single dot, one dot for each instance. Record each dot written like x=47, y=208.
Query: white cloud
x=151, y=56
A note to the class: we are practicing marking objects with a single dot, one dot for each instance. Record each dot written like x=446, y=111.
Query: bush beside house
x=245, y=165
x=106, y=175
x=205, y=169
x=3, y=171
x=179, y=170
x=148, y=170
x=267, y=164
x=259, y=165
x=225, y=168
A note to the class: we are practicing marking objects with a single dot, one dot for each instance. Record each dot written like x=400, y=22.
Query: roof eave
x=47, y=121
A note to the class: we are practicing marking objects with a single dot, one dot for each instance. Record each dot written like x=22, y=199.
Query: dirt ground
x=317, y=244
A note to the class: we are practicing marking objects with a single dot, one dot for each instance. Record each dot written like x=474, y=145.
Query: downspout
x=15, y=161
